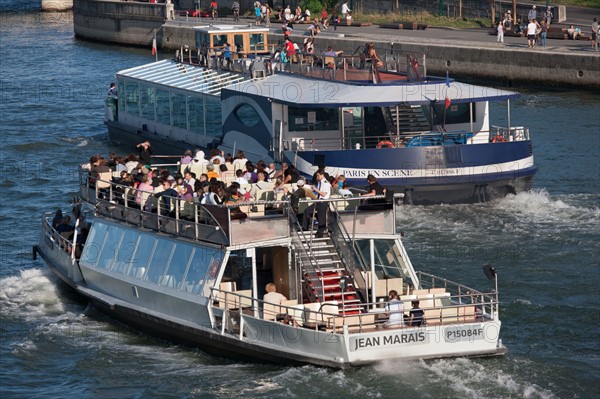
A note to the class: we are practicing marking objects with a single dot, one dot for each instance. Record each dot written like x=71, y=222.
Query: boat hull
x=262, y=344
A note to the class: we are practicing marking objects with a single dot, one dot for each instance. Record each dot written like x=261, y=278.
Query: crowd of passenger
x=224, y=179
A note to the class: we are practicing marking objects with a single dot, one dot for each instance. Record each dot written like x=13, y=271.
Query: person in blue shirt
x=227, y=55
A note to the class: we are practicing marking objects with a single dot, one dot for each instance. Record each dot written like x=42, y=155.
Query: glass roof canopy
x=182, y=76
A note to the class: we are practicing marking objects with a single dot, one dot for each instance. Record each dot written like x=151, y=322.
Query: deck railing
x=441, y=308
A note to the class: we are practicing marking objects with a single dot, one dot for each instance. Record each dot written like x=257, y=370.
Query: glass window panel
x=238, y=41
x=109, y=249
x=213, y=117
x=219, y=40
x=159, y=260
x=326, y=119
x=147, y=102
x=196, y=115
x=139, y=261
x=121, y=91
x=163, y=107
x=132, y=98
x=456, y=113
x=126, y=250
x=204, y=265
x=257, y=42
x=202, y=38
x=178, y=108
x=178, y=265
x=93, y=245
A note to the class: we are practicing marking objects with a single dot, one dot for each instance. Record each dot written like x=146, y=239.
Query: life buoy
x=385, y=143
x=498, y=139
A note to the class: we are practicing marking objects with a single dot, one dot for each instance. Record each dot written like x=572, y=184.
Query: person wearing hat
x=532, y=15
x=301, y=192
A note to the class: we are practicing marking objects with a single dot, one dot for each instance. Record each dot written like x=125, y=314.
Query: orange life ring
x=386, y=143
x=498, y=139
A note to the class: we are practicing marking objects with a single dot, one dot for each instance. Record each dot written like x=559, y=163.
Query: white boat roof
x=295, y=89
x=183, y=76
x=212, y=28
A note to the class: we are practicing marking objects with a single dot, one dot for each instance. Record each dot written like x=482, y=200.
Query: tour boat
x=430, y=138
x=196, y=274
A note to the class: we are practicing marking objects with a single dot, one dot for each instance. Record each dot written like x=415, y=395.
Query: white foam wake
x=29, y=295
x=464, y=378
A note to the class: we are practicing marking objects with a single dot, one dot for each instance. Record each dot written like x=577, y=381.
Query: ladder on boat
x=406, y=119
x=330, y=277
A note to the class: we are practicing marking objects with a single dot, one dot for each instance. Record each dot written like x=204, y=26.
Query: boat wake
x=29, y=295
x=462, y=378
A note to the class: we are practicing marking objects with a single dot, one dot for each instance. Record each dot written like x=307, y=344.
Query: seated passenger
x=239, y=177
x=187, y=157
x=345, y=190
x=301, y=192
x=272, y=296
x=416, y=317
x=393, y=309
x=65, y=228
x=210, y=172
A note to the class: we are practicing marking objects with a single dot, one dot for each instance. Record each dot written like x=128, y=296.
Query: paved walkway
x=579, y=16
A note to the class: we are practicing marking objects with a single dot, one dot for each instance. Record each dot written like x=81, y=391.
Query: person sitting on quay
x=573, y=32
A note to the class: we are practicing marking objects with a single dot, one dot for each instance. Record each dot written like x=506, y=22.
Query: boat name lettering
x=458, y=334
x=387, y=340
x=378, y=173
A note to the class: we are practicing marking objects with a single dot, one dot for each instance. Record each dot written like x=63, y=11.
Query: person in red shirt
x=324, y=19
x=214, y=8
x=290, y=50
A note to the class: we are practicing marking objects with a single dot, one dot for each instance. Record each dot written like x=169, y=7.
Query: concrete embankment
x=469, y=57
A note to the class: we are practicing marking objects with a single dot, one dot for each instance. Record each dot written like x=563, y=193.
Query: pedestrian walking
x=500, y=29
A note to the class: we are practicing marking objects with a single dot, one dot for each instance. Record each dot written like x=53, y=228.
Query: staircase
x=325, y=279
x=410, y=119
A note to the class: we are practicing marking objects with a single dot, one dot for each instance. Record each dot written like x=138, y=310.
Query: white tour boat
x=196, y=274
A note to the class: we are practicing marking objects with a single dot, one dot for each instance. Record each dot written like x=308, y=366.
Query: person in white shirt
x=531, y=28
x=393, y=309
x=323, y=191
x=272, y=296
x=345, y=10
x=239, y=177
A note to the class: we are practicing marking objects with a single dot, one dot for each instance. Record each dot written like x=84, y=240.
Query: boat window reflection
x=125, y=253
x=141, y=256
x=159, y=260
x=178, y=265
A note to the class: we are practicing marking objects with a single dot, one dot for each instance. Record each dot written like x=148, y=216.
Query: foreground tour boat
x=429, y=138
x=196, y=274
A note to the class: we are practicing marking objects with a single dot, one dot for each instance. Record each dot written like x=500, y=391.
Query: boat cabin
x=243, y=40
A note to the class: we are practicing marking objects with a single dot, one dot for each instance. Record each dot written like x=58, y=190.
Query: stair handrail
x=314, y=271
x=348, y=262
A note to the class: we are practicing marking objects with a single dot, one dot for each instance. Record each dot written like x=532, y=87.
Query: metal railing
x=390, y=140
x=442, y=308
x=486, y=303
x=504, y=134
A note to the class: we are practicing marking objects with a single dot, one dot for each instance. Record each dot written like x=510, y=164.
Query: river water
x=545, y=245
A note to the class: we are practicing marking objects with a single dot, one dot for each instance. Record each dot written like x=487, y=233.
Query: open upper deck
x=263, y=220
